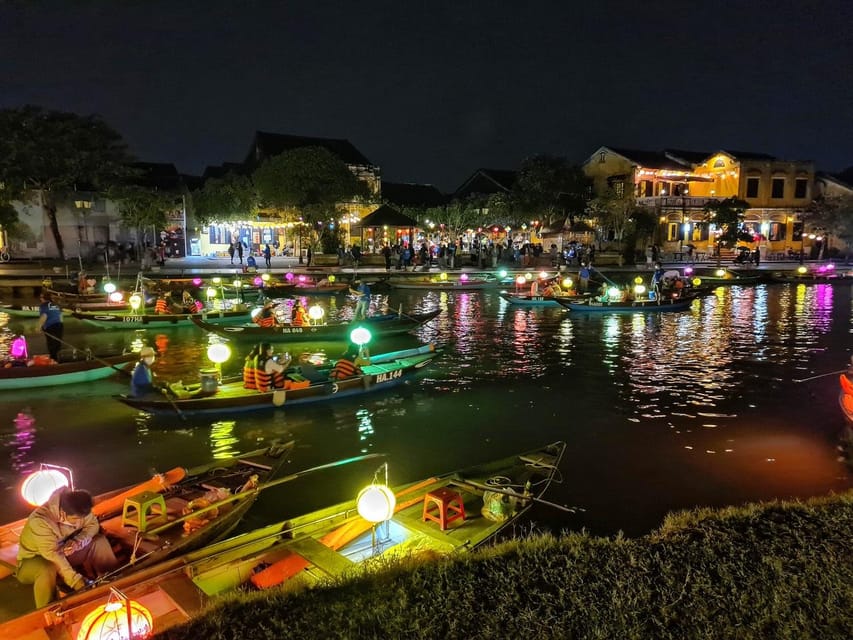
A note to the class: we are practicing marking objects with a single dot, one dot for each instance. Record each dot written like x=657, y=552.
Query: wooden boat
x=131, y=320
x=527, y=300
x=385, y=371
x=333, y=541
x=228, y=488
x=594, y=305
x=845, y=399
x=381, y=325
x=20, y=310
x=316, y=289
x=811, y=277
x=82, y=367
x=462, y=283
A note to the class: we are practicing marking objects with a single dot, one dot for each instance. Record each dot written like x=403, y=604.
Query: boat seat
x=449, y=503
x=138, y=508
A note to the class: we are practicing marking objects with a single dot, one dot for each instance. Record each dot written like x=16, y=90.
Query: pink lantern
x=463, y=277
x=197, y=282
x=302, y=279
x=257, y=281
x=19, y=348
x=288, y=276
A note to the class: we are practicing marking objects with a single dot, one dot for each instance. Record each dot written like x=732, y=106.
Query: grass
x=769, y=570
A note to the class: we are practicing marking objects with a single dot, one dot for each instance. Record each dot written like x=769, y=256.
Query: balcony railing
x=675, y=202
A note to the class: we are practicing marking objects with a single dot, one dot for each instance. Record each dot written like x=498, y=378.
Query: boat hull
x=162, y=321
x=385, y=325
x=50, y=375
x=385, y=371
x=593, y=306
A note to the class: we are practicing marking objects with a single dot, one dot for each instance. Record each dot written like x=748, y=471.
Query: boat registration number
x=388, y=375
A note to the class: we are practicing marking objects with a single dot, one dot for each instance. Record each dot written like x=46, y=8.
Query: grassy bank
x=773, y=570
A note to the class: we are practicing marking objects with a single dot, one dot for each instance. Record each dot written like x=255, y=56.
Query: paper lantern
x=638, y=280
x=197, y=282
x=567, y=283
x=542, y=275
x=442, y=276
x=463, y=277
x=217, y=280
x=219, y=352
x=721, y=273
x=801, y=270
x=116, y=296
x=316, y=312
x=237, y=284
x=109, y=287
x=288, y=276
x=697, y=282
x=119, y=619
x=360, y=336
x=135, y=301
x=520, y=280
x=331, y=277
x=19, y=347
x=40, y=485
x=376, y=503
x=211, y=292
x=502, y=273
x=258, y=281
x=265, y=277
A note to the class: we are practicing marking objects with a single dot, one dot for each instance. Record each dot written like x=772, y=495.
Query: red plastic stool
x=449, y=503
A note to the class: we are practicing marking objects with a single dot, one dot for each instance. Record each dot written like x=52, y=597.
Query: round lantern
x=721, y=273
x=119, y=619
x=688, y=270
x=116, y=296
x=211, y=292
x=197, y=282
x=376, y=503
x=801, y=270
x=332, y=277
x=288, y=276
x=265, y=277
x=19, y=347
x=697, y=282
x=217, y=280
x=638, y=280
x=258, y=281
x=640, y=289
x=567, y=283
x=360, y=336
x=519, y=280
x=135, y=301
x=528, y=276
x=219, y=352
x=40, y=485
x=542, y=275
x=502, y=273
x=237, y=284
x=463, y=277
x=316, y=312
x=613, y=293
x=109, y=287
x=442, y=276
x=301, y=279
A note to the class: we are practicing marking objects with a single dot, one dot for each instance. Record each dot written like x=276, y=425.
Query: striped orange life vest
x=344, y=369
x=249, y=373
x=265, y=322
x=265, y=381
x=161, y=307
x=300, y=319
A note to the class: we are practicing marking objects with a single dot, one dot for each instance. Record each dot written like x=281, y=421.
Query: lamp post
x=683, y=220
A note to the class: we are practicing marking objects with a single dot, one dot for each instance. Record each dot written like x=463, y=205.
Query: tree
x=549, y=188
x=831, y=215
x=231, y=197
x=52, y=152
x=313, y=181
x=727, y=216
x=140, y=207
x=456, y=217
x=612, y=210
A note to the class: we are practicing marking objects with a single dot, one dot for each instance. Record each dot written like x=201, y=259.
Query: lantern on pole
x=376, y=502
x=40, y=485
x=119, y=619
x=218, y=353
x=135, y=301
x=316, y=313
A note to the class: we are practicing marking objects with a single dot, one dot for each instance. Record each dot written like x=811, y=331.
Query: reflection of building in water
x=365, y=428
x=222, y=440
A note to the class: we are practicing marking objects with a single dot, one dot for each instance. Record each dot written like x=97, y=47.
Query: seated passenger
x=269, y=373
x=266, y=318
x=249, y=366
x=300, y=316
x=348, y=365
x=162, y=305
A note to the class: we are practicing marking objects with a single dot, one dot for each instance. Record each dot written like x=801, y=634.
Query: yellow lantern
x=721, y=273
x=528, y=276
x=442, y=276
x=135, y=301
x=638, y=280
x=217, y=280
x=237, y=284
x=376, y=503
x=567, y=283
x=316, y=313
x=119, y=619
x=265, y=277
x=219, y=352
x=801, y=270
x=40, y=485
x=697, y=282
x=332, y=278
x=211, y=293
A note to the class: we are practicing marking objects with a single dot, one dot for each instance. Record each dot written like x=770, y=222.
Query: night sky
x=430, y=91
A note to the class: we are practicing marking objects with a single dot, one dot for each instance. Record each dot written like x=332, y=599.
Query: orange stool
x=449, y=503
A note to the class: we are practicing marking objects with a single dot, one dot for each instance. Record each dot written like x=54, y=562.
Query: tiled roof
x=651, y=159
x=267, y=145
x=487, y=181
x=412, y=195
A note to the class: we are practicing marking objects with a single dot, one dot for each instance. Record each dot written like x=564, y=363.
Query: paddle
x=822, y=375
x=93, y=357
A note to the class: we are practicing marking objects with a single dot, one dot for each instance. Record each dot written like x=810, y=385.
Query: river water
x=660, y=411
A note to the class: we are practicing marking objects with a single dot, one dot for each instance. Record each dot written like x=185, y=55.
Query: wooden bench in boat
x=321, y=556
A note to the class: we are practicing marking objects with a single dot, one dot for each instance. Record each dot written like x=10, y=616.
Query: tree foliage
x=831, y=214
x=549, y=188
x=54, y=152
x=727, y=216
x=231, y=197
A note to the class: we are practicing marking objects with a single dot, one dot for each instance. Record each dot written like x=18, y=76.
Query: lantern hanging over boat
x=119, y=619
x=40, y=485
x=316, y=313
x=332, y=277
x=109, y=287
x=360, y=336
x=442, y=276
x=568, y=283
x=265, y=277
x=135, y=301
x=197, y=282
x=376, y=502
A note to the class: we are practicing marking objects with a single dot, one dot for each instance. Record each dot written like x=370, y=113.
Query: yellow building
x=677, y=185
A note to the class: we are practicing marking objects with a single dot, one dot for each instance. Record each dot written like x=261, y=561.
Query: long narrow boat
x=20, y=310
x=463, y=283
x=83, y=368
x=131, y=320
x=638, y=306
x=385, y=371
x=381, y=325
x=333, y=541
x=202, y=505
x=527, y=300
x=845, y=399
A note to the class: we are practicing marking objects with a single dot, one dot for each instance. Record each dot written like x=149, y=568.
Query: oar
x=94, y=357
x=273, y=483
x=822, y=375
x=515, y=494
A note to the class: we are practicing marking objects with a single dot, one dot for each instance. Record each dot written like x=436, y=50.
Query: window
x=602, y=157
x=619, y=189
x=719, y=163
x=672, y=231
x=752, y=187
x=776, y=231
x=801, y=187
x=777, y=188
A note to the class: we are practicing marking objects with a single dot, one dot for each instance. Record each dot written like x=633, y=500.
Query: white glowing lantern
x=639, y=289
x=502, y=273
x=40, y=485
x=801, y=270
x=316, y=312
x=567, y=283
x=135, y=301
x=360, y=336
x=211, y=293
x=119, y=619
x=721, y=273
x=520, y=280
x=237, y=284
x=255, y=312
x=109, y=287
x=613, y=293
x=116, y=296
x=265, y=277
x=376, y=503
x=217, y=280
x=528, y=276
x=219, y=352
x=542, y=275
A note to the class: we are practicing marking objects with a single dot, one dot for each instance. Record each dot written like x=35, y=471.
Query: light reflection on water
x=660, y=411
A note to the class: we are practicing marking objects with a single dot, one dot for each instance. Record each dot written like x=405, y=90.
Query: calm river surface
x=660, y=412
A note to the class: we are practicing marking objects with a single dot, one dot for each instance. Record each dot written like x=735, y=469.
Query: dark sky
x=430, y=91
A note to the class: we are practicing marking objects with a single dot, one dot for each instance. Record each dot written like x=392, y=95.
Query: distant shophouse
x=270, y=227
x=677, y=185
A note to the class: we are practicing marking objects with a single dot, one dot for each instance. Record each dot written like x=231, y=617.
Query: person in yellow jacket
x=62, y=538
